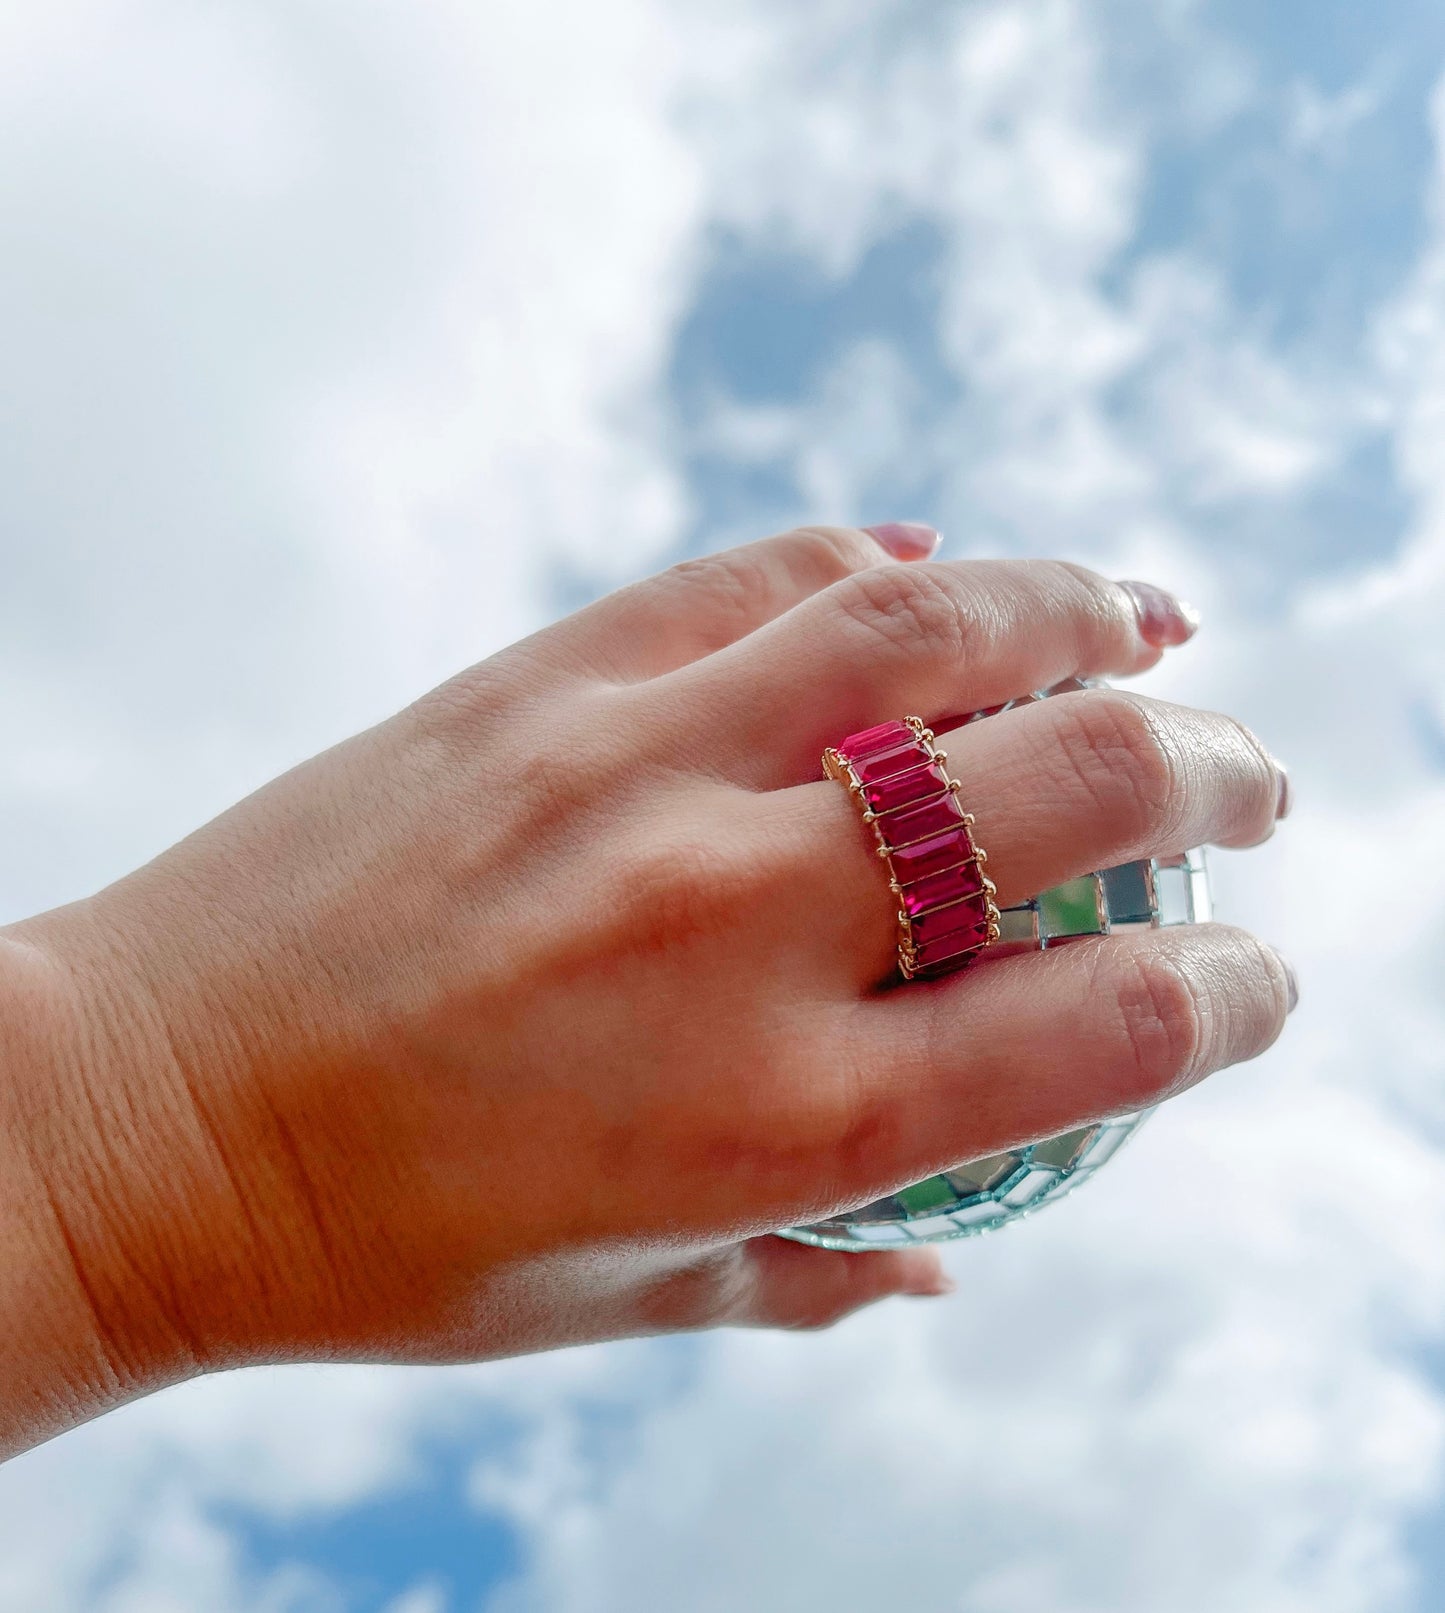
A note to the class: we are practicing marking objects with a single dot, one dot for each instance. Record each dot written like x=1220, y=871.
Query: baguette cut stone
x=943, y=949
x=952, y=885
x=917, y=823
x=903, y=789
x=930, y=856
x=966, y=916
x=881, y=763
x=883, y=737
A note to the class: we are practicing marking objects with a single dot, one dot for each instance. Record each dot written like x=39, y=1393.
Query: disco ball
x=995, y=1191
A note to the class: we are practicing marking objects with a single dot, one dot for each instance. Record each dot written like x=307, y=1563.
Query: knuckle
x=1095, y=601
x=733, y=581
x=739, y=583
x=1164, y=1023
x=1117, y=758
x=1258, y=803
x=680, y=889
x=469, y=709
x=549, y=794
x=827, y=553
x=863, y=1133
x=1255, y=1005
x=677, y=880
x=1090, y=587
x=1081, y=576
x=1252, y=745
x=907, y=610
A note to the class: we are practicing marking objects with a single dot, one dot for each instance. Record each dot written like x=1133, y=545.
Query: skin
x=524, y=1018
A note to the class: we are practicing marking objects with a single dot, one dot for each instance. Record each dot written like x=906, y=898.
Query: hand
x=524, y=1017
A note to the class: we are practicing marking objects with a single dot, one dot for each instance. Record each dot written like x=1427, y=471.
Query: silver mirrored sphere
x=993, y=1192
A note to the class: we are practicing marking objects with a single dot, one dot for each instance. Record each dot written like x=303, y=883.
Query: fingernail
x=906, y=540
x=1286, y=791
x=940, y=1288
x=1291, y=977
x=1164, y=621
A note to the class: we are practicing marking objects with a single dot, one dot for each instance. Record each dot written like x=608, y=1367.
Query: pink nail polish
x=1291, y=979
x=1164, y=621
x=1285, y=801
x=906, y=540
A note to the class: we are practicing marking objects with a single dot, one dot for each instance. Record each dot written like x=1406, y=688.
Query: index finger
x=933, y=638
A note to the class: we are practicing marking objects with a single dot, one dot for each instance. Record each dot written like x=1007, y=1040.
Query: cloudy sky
x=341, y=344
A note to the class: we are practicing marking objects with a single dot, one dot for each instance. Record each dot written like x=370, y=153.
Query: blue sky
x=343, y=345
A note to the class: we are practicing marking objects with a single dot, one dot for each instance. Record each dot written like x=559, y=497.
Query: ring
x=946, y=913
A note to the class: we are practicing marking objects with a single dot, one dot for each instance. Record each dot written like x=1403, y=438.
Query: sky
x=342, y=344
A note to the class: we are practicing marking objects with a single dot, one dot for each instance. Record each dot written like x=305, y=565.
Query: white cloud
x=1319, y=122
x=423, y=1599
x=1103, y=401
x=377, y=335
x=326, y=334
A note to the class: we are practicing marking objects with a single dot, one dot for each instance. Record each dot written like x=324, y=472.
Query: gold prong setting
x=924, y=930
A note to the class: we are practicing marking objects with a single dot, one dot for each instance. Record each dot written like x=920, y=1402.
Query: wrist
x=177, y=1163
x=57, y=1366
x=83, y=1322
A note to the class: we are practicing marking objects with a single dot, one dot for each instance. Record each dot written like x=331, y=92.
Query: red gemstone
x=932, y=818
x=957, y=944
x=964, y=916
x=884, y=737
x=929, y=856
x=952, y=885
x=937, y=968
x=905, y=788
x=881, y=763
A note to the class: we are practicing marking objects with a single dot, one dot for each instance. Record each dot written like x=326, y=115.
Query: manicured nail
x=1164, y=621
x=906, y=540
x=1291, y=977
x=1286, y=791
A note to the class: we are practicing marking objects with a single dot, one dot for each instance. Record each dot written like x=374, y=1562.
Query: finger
x=774, y=1282
x=1058, y=788
x=703, y=604
x=933, y=639
x=1091, y=780
x=1035, y=1045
